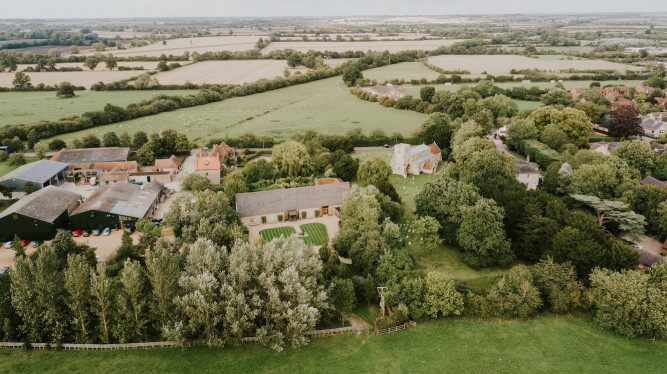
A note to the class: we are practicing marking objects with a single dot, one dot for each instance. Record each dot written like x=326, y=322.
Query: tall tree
x=131, y=301
x=342, y=298
x=101, y=301
x=163, y=273
x=426, y=228
x=21, y=81
x=77, y=285
x=629, y=223
x=625, y=122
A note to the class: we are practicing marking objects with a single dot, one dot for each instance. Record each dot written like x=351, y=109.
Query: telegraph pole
x=381, y=292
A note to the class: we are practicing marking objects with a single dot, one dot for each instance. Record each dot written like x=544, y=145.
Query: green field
x=326, y=106
x=528, y=105
x=317, y=233
x=270, y=234
x=28, y=107
x=409, y=187
x=6, y=168
x=404, y=70
x=542, y=345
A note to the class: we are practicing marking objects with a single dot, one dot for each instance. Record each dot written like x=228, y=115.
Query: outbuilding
x=41, y=173
x=39, y=215
x=118, y=205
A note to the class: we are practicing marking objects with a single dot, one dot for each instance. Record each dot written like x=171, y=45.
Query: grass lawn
x=269, y=234
x=367, y=313
x=29, y=107
x=542, y=345
x=325, y=105
x=409, y=187
x=6, y=168
x=317, y=233
x=528, y=105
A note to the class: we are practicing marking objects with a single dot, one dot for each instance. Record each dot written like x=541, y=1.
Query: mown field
x=325, y=106
x=270, y=234
x=226, y=72
x=542, y=345
x=78, y=78
x=200, y=45
x=373, y=45
x=28, y=107
x=405, y=70
x=502, y=64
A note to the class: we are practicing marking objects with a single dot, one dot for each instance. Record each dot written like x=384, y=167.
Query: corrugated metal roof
x=39, y=171
x=121, y=198
x=91, y=155
x=274, y=201
x=45, y=205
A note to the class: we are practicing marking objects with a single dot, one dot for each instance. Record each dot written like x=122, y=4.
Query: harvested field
x=502, y=64
x=404, y=70
x=225, y=72
x=77, y=78
x=325, y=105
x=147, y=65
x=29, y=107
x=391, y=46
x=200, y=45
x=336, y=62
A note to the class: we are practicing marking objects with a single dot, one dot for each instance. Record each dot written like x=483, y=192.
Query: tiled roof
x=274, y=201
x=435, y=149
x=168, y=163
x=207, y=163
x=323, y=181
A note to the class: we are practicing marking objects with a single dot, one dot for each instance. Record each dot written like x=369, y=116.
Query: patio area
x=331, y=223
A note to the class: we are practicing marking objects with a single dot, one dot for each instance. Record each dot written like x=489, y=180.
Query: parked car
x=129, y=230
x=77, y=233
x=4, y=270
x=86, y=233
x=8, y=245
x=25, y=242
x=157, y=221
x=97, y=258
x=96, y=232
x=106, y=231
x=36, y=243
x=387, y=146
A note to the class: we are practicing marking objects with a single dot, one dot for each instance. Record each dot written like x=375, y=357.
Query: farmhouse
x=288, y=204
x=208, y=166
x=654, y=124
x=528, y=173
x=388, y=90
x=117, y=205
x=40, y=173
x=415, y=160
x=168, y=164
x=606, y=148
x=39, y=215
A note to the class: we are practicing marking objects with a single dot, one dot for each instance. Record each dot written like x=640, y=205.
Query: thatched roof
x=45, y=205
x=275, y=201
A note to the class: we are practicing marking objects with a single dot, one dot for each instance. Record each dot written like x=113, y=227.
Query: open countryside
x=289, y=187
x=324, y=106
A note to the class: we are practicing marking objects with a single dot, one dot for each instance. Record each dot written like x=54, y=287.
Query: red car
x=25, y=242
x=77, y=233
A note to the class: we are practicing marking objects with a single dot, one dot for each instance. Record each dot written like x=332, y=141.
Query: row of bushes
x=39, y=87
x=538, y=152
x=155, y=105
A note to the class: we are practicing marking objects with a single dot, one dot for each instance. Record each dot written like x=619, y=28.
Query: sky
x=265, y=8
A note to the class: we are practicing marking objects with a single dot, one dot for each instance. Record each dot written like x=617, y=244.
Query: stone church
x=415, y=160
